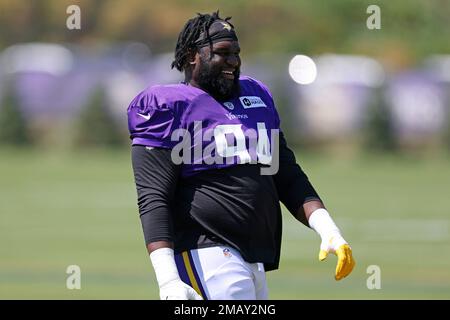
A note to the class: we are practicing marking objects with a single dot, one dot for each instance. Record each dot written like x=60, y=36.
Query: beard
x=212, y=80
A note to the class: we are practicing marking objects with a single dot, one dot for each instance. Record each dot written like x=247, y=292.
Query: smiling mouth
x=228, y=74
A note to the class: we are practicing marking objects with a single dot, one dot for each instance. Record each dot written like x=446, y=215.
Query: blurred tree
x=96, y=126
x=447, y=124
x=311, y=27
x=13, y=128
x=379, y=134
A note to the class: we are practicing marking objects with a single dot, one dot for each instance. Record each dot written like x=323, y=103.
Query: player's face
x=217, y=71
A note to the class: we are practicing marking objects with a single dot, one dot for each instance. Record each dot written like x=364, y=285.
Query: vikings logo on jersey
x=204, y=133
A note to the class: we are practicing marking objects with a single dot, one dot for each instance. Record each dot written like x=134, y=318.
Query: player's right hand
x=170, y=285
x=178, y=290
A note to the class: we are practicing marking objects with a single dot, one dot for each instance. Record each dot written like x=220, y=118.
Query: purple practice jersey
x=203, y=133
x=223, y=193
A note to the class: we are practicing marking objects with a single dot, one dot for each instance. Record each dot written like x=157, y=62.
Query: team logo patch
x=229, y=105
x=226, y=26
x=227, y=253
x=249, y=102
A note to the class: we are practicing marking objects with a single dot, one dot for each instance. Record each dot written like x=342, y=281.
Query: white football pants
x=220, y=273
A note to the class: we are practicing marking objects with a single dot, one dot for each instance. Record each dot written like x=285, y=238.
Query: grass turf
x=58, y=209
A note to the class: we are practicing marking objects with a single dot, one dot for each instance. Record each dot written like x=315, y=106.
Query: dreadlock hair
x=190, y=33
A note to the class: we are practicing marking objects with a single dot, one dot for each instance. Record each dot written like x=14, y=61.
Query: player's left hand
x=338, y=246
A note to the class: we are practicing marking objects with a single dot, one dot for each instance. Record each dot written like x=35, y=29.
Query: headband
x=218, y=31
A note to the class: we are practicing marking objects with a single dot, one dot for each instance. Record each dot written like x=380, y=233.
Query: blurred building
x=334, y=106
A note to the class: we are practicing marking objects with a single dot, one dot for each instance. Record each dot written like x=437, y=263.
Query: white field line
x=408, y=230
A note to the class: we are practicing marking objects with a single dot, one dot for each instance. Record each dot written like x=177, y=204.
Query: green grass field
x=61, y=209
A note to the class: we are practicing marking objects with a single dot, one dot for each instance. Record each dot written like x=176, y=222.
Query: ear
x=192, y=57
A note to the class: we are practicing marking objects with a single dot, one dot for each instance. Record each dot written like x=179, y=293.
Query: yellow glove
x=332, y=242
x=345, y=263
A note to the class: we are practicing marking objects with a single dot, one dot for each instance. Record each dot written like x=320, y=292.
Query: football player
x=210, y=215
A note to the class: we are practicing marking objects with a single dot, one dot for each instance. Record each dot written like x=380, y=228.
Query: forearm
x=170, y=284
x=156, y=179
x=152, y=246
x=314, y=215
x=332, y=242
x=305, y=211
